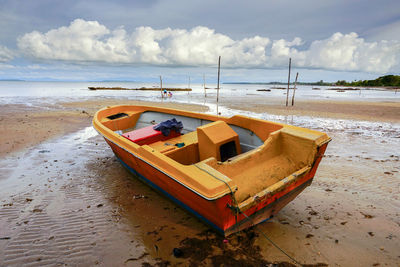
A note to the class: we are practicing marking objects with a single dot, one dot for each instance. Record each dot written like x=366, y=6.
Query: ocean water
x=46, y=94
x=29, y=92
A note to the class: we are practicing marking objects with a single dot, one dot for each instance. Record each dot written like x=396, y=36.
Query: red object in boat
x=148, y=135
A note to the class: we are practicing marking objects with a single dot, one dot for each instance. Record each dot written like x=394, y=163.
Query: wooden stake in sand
x=219, y=66
x=204, y=85
x=288, y=82
x=294, y=88
x=189, y=85
x=162, y=95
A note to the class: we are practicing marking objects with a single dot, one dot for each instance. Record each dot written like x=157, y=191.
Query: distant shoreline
x=313, y=84
x=386, y=82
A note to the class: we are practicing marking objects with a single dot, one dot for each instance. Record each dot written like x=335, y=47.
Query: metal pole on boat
x=294, y=88
x=162, y=96
x=219, y=66
x=288, y=82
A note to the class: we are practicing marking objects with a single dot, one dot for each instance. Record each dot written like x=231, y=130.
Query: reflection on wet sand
x=68, y=201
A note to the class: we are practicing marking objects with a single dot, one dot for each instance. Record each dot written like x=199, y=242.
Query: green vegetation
x=388, y=80
x=321, y=83
x=384, y=81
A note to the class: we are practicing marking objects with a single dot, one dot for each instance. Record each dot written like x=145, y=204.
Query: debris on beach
x=367, y=216
x=344, y=89
x=177, y=252
x=138, y=196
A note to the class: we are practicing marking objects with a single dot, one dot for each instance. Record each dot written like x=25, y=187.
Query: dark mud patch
x=240, y=249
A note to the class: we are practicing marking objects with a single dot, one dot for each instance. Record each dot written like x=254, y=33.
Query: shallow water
x=53, y=211
x=36, y=93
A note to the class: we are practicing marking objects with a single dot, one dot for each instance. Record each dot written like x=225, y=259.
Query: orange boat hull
x=216, y=213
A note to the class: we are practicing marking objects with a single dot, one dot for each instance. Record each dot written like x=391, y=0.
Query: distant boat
x=232, y=173
x=139, y=89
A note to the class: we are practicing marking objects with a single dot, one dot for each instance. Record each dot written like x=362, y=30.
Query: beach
x=66, y=200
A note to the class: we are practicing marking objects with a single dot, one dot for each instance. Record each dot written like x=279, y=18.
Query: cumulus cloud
x=350, y=52
x=5, y=54
x=84, y=41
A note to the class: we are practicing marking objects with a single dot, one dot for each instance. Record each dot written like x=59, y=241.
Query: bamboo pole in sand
x=288, y=82
x=162, y=95
x=189, y=85
x=219, y=66
x=294, y=88
x=204, y=85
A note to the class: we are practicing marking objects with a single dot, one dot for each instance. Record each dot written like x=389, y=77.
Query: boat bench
x=169, y=145
x=187, y=153
x=147, y=135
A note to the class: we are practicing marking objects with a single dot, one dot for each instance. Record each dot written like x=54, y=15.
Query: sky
x=96, y=40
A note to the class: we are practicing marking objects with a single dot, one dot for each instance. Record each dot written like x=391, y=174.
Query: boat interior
x=255, y=154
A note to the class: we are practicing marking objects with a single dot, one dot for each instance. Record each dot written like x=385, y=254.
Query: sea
x=30, y=92
x=46, y=94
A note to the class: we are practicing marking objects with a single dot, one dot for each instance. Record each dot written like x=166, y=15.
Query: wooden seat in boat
x=165, y=146
x=147, y=135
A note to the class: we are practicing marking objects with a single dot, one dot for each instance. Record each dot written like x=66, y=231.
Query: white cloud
x=350, y=52
x=200, y=46
x=5, y=54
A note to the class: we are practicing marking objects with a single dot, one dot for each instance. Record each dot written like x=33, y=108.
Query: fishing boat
x=232, y=173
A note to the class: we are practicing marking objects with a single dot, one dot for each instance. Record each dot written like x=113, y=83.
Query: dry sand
x=65, y=200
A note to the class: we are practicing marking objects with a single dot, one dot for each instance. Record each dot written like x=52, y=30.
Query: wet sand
x=24, y=126
x=387, y=111
x=65, y=200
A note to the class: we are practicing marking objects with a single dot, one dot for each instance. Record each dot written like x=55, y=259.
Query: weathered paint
x=208, y=188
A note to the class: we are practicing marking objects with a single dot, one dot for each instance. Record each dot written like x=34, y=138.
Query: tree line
x=387, y=80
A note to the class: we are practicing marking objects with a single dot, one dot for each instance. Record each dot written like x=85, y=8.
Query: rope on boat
x=230, y=189
x=237, y=210
x=272, y=242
